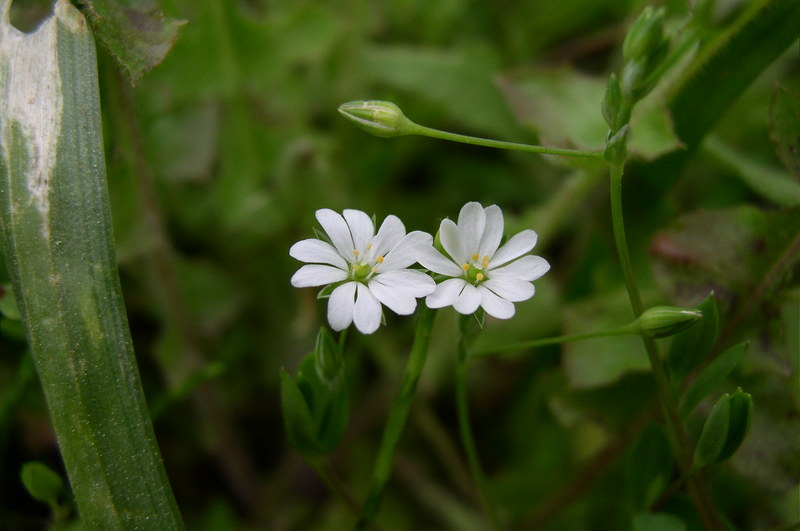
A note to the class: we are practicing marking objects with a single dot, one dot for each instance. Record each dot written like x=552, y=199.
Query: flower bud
x=612, y=102
x=663, y=321
x=645, y=36
x=329, y=360
x=725, y=428
x=380, y=118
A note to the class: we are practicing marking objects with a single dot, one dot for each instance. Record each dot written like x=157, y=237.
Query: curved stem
x=467, y=439
x=680, y=442
x=397, y=417
x=499, y=144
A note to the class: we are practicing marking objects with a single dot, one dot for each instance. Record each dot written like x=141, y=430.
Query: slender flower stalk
x=466, y=433
x=385, y=119
x=397, y=417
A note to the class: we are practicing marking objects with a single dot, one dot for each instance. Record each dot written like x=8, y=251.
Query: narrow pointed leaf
x=56, y=229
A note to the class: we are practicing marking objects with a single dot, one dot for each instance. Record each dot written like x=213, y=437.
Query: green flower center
x=363, y=271
x=474, y=270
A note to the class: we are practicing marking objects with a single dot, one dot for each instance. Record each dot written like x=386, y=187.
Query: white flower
x=371, y=268
x=480, y=273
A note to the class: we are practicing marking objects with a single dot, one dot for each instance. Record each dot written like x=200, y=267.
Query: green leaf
x=657, y=522
x=784, y=127
x=691, y=346
x=297, y=419
x=648, y=467
x=727, y=65
x=42, y=483
x=57, y=237
x=136, y=32
x=711, y=377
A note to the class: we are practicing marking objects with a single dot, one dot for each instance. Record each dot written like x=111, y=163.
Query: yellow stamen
x=485, y=262
x=369, y=246
x=379, y=259
x=479, y=277
x=474, y=256
x=465, y=267
x=355, y=252
x=374, y=268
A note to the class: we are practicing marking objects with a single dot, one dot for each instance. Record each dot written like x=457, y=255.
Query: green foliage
x=689, y=348
x=42, y=483
x=648, y=468
x=724, y=429
x=711, y=377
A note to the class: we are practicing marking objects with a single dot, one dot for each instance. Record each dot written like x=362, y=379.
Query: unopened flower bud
x=663, y=321
x=330, y=362
x=645, y=36
x=725, y=428
x=380, y=118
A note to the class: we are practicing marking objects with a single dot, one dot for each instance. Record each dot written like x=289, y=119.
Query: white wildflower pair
x=371, y=269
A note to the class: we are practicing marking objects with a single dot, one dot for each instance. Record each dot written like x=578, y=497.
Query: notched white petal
x=468, y=301
x=512, y=289
x=446, y=293
x=471, y=223
x=404, y=253
x=317, y=252
x=429, y=258
x=361, y=228
x=527, y=268
x=452, y=241
x=389, y=234
x=341, y=305
x=367, y=312
x=495, y=306
x=518, y=245
x=395, y=298
x=317, y=275
x=493, y=232
x=337, y=229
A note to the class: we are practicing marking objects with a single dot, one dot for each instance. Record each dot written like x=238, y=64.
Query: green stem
x=552, y=341
x=499, y=144
x=397, y=417
x=467, y=439
x=680, y=442
x=333, y=481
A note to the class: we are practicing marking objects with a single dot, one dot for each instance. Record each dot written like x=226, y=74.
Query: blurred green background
x=219, y=157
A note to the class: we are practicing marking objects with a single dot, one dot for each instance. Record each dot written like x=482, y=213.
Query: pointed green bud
x=380, y=118
x=725, y=429
x=663, y=321
x=645, y=36
x=612, y=102
x=329, y=360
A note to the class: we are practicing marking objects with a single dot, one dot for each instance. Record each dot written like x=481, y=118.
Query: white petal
x=317, y=251
x=336, y=228
x=446, y=293
x=493, y=232
x=512, y=289
x=468, y=301
x=404, y=253
x=415, y=283
x=432, y=259
x=361, y=228
x=471, y=223
x=514, y=248
x=367, y=312
x=452, y=241
x=317, y=275
x=395, y=298
x=495, y=306
x=340, y=306
x=391, y=232
x=527, y=268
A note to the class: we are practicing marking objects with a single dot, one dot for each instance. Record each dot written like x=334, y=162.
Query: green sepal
x=617, y=145
x=690, y=347
x=664, y=321
x=611, y=105
x=725, y=429
x=42, y=483
x=379, y=118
